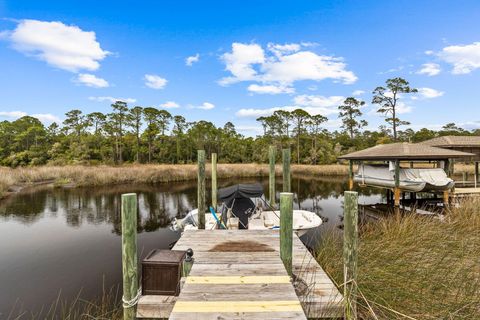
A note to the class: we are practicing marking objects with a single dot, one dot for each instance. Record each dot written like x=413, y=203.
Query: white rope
x=132, y=302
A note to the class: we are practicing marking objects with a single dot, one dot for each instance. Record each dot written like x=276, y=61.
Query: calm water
x=65, y=240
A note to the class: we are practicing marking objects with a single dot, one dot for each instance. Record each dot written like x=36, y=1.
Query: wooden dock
x=238, y=274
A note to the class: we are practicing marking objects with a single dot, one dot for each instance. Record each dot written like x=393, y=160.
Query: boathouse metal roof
x=453, y=141
x=405, y=151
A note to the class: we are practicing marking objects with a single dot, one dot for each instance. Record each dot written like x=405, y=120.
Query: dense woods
x=150, y=135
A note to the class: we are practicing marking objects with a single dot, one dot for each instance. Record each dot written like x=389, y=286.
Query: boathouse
x=470, y=144
x=401, y=167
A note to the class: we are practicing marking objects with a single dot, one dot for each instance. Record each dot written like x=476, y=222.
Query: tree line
x=150, y=135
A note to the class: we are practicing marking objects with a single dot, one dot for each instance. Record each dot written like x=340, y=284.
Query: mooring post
x=214, y=181
x=201, y=189
x=286, y=230
x=129, y=255
x=286, y=170
x=350, y=244
x=397, y=184
x=350, y=175
x=476, y=173
x=271, y=175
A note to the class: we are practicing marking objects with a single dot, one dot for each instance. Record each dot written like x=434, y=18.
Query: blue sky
x=247, y=58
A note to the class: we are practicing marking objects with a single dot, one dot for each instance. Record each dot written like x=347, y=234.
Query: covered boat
x=240, y=211
x=413, y=180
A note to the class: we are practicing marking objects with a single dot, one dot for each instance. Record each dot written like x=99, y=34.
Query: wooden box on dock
x=161, y=272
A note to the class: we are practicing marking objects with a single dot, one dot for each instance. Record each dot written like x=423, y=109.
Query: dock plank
x=249, y=284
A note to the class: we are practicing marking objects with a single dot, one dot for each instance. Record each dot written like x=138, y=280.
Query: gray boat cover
x=237, y=191
x=432, y=176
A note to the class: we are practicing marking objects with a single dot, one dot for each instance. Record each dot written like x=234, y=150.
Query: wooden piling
x=446, y=198
x=397, y=184
x=201, y=189
x=350, y=244
x=350, y=175
x=271, y=176
x=286, y=170
x=129, y=255
x=214, y=181
x=286, y=230
x=476, y=174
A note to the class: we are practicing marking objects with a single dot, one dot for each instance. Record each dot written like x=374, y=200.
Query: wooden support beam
x=129, y=255
x=214, y=181
x=286, y=170
x=286, y=230
x=271, y=175
x=350, y=175
x=350, y=246
x=396, y=197
x=446, y=198
x=476, y=173
x=201, y=189
x=397, y=184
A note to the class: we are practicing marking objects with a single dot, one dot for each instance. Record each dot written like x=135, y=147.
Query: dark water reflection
x=54, y=240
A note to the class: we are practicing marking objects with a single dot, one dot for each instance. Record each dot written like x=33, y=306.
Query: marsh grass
x=107, y=306
x=415, y=267
x=135, y=173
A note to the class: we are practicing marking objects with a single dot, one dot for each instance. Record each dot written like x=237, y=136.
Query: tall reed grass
x=415, y=267
x=109, y=175
x=106, y=307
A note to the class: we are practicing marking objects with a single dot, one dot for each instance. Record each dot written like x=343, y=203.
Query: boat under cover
x=411, y=179
x=237, y=202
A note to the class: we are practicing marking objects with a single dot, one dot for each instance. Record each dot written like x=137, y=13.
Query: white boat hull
x=303, y=221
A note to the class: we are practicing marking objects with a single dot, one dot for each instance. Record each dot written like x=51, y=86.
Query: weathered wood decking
x=238, y=274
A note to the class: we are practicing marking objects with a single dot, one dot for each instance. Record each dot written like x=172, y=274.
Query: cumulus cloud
x=463, y=58
x=280, y=66
x=43, y=117
x=203, y=106
x=91, y=80
x=358, y=93
x=112, y=99
x=269, y=89
x=154, y=81
x=429, y=93
x=429, y=69
x=62, y=46
x=313, y=104
x=189, y=61
x=169, y=105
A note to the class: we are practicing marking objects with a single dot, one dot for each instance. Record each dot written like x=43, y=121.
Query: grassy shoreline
x=415, y=267
x=13, y=180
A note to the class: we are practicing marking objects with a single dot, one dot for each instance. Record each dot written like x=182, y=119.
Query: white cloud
x=269, y=89
x=240, y=62
x=154, y=81
x=43, y=117
x=91, y=80
x=203, y=106
x=429, y=69
x=62, y=46
x=403, y=108
x=12, y=114
x=281, y=49
x=313, y=104
x=429, y=52
x=281, y=66
x=112, y=99
x=464, y=59
x=189, y=61
x=429, y=93
x=358, y=92
x=316, y=104
x=170, y=105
